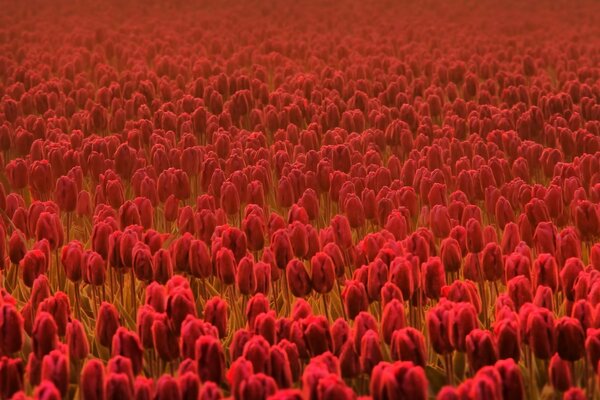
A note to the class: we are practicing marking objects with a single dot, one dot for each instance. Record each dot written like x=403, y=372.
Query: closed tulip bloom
x=256, y=305
x=559, y=373
x=439, y=221
x=341, y=231
x=211, y=359
x=11, y=329
x=355, y=298
x=540, y=333
x=77, y=340
x=434, y=277
x=492, y=262
x=65, y=194
x=118, y=385
x=544, y=297
x=510, y=238
x=164, y=338
x=474, y=236
x=377, y=275
x=254, y=228
x=354, y=211
x=408, y=344
x=17, y=247
x=47, y=390
x=438, y=327
x=12, y=370
x=142, y=261
x=282, y=248
x=143, y=388
x=317, y=335
x=32, y=265
x=545, y=238
x=44, y=335
x=587, y=220
x=517, y=264
x=370, y=351
x=199, y=259
x=545, y=271
x=323, y=273
x=279, y=367
x=167, y=388
x=450, y=254
x=507, y=334
x=126, y=343
x=55, y=368
x=16, y=172
x=298, y=280
x=107, y=323
x=216, y=313
x=72, y=259
x=246, y=277
x=402, y=275
x=512, y=379
x=570, y=339
x=463, y=319
x=162, y=266
x=393, y=318
x=519, y=290
x=481, y=349
x=94, y=268
x=91, y=381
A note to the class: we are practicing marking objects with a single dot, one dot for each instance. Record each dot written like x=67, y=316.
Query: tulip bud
x=392, y=320
x=463, y=319
x=65, y=194
x=438, y=327
x=118, y=385
x=355, y=298
x=162, y=266
x=474, y=236
x=317, y=335
x=434, y=277
x=298, y=279
x=71, y=259
x=107, y=323
x=77, y=340
x=47, y=391
x=408, y=344
x=481, y=349
x=323, y=273
x=282, y=248
x=199, y=259
x=540, y=333
x=545, y=271
x=569, y=339
x=492, y=263
x=12, y=370
x=55, y=368
x=560, y=373
x=211, y=359
x=91, y=381
x=164, y=338
x=44, y=335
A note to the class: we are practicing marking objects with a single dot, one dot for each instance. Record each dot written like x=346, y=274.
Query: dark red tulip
x=434, y=277
x=355, y=298
x=540, y=333
x=211, y=359
x=91, y=381
x=55, y=368
x=481, y=349
x=323, y=273
x=570, y=339
x=545, y=271
x=408, y=344
x=107, y=323
x=298, y=280
x=559, y=373
x=462, y=320
x=438, y=326
x=77, y=340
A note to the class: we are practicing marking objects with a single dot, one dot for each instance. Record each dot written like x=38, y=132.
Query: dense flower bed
x=277, y=200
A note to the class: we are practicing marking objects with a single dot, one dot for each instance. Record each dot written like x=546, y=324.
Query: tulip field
x=299, y=200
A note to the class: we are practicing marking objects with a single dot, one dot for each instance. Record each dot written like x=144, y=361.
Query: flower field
x=299, y=200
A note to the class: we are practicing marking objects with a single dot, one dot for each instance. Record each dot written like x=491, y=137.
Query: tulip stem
x=77, y=301
x=325, y=306
x=133, y=293
x=337, y=283
x=448, y=362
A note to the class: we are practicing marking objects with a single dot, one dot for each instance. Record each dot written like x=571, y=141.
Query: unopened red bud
x=107, y=323
x=408, y=344
x=55, y=368
x=559, y=373
x=77, y=340
x=481, y=349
